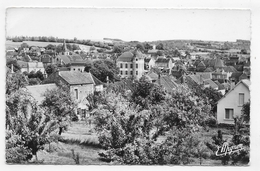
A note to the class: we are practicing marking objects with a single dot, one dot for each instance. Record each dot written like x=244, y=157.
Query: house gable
x=231, y=101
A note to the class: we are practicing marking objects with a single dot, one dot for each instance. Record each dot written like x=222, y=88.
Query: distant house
x=149, y=63
x=164, y=63
x=131, y=64
x=231, y=104
x=31, y=66
x=203, y=79
x=201, y=67
x=152, y=52
x=209, y=69
x=46, y=59
x=238, y=76
x=81, y=84
x=232, y=60
x=99, y=85
x=152, y=76
x=35, y=66
x=219, y=75
x=205, y=75
x=75, y=62
x=23, y=65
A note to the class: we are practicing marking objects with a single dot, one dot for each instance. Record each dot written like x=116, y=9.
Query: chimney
x=159, y=78
x=12, y=68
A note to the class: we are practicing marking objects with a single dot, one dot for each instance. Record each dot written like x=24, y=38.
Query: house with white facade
x=131, y=64
x=231, y=104
x=149, y=63
x=163, y=63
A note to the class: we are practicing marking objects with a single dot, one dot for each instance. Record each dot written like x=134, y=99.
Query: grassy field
x=79, y=138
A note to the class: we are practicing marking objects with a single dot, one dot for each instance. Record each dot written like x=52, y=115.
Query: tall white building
x=131, y=64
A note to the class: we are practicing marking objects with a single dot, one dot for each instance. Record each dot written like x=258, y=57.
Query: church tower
x=64, y=49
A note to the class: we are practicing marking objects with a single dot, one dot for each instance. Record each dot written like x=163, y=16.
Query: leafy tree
x=118, y=49
x=50, y=47
x=160, y=46
x=88, y=66
x=103, y=69
x=24, y=45
x=75, y=47
x=14, y=82
x=246, y=112
x=39, y=75
x=140, y=47
x=60, y=105
x=129, y=135
x=59, y=48
x=15, y=150
x=243, y=51
x=51, y=69
x=159, y=53
x=92, y=48
x=33, y=81
x=16, y=66
x=176, y=53
x=147, y=46
x=28, y=127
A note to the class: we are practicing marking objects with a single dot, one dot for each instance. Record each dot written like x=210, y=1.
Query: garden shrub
x=211, y=121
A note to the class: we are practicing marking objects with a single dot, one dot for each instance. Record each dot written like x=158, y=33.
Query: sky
x=129, y=24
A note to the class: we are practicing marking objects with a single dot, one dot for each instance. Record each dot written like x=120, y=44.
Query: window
x=126, y=66
x=136, y=59
x=126, y=73
x=136, y=65
x=76, y=93
x=131, y=65
x=229, y=113
x=136, y=72
x=121, y=72
x=241, y=99
x=121, y=65
x=131, y=72
x=83, y=114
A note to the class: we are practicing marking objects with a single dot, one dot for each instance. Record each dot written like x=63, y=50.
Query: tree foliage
x=163, y=131
x=16, y=66
x=103, y=69
x=60, y=105
x=246, y=112
x=51, y=69
x=28, y=127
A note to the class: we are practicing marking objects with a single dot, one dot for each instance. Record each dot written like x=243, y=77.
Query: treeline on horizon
x=60, y=40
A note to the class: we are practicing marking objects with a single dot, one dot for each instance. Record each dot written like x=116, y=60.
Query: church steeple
x=64, y=48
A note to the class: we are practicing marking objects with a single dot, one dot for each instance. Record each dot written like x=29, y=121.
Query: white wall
x=231, y=100
x=77, y=68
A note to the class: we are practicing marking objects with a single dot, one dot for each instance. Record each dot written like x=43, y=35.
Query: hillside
x=42, y=44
